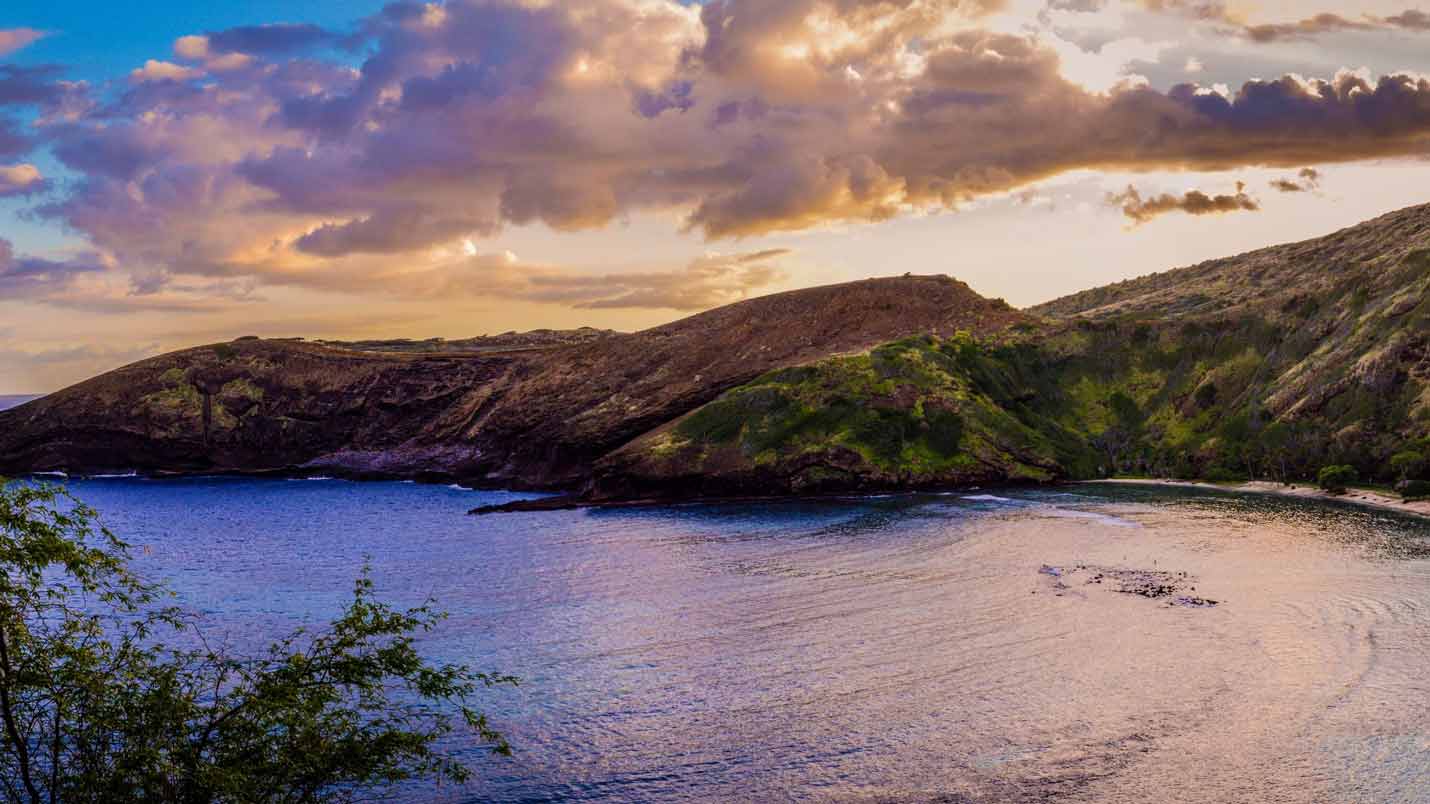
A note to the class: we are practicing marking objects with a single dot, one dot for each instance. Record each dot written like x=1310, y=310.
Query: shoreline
x=556, y=500
x=1301, y=491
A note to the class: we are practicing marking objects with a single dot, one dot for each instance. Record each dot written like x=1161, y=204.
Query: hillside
x=523, y=417
x=1331, y=335
x=250, y=405
x=1385, y=254
x=1269, y=364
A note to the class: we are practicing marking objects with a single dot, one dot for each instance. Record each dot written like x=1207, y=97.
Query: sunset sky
x=175, y=173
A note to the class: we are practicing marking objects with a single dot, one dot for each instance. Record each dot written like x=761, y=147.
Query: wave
x=987, y=498
x=130, y=473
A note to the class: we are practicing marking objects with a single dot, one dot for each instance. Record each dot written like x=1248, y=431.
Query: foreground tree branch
x=96, y=707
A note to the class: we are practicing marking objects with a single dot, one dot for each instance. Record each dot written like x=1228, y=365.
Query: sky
x=177, y=173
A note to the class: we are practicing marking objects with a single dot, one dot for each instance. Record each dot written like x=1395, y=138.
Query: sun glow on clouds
x=257, y=165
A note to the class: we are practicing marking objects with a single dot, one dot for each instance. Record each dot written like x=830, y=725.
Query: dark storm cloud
x=1141, y=209
x=1307, y=180
x=269, y=39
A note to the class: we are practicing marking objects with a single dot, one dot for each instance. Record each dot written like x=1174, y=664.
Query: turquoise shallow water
x=964, y=647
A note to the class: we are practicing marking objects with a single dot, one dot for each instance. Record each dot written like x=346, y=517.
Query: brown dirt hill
x=535, y=418
x=553, y=417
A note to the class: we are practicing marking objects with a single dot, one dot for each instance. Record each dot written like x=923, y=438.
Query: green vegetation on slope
x=1216, y=399
x=916, y=412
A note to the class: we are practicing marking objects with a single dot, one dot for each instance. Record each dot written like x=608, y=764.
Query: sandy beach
x=1366, y=497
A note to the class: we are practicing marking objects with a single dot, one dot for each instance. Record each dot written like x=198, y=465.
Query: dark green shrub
x=884, y=432
x=945, y=431
x=719, y=422
x=1206, y=395
x=1336, y=478
x=1408, y=465
x=1221, y=474
x=1414, y=489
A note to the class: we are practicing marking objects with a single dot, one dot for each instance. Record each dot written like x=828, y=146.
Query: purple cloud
x=23, y=277
x=274, y=38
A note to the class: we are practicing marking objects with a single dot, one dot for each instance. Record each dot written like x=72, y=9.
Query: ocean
x=8, y=401
x=1076, y=644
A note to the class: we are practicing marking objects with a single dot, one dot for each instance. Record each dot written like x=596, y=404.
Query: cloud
x=13, y=142
x=391, y=231
x=1308, y=28
x=1412, y=20
x=26, y=277
x=35, y=88
x=30, y=367
x=269, y=39
x=738, y=118
x=705, y=282
x=1305, y=28
x=21, y=180
x=192, y=47
x=79, y=354
x=154, y=70
x=1307, y=180
x=23, y=86
x=13, y=39
x=1142, y=209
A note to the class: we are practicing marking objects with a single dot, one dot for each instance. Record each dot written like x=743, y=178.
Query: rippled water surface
x=1001, y=646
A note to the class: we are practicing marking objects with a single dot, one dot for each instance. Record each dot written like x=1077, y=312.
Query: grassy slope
x=917, y=412
x=1273, y=384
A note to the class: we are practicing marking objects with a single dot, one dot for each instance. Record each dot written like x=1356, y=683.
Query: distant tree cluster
x=1192, y=400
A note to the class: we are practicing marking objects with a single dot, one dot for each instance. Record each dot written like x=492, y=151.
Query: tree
x=1408, y=464
x=1335, y=479
x=1276, y=442
x=94, y=707
x=1122, y=432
